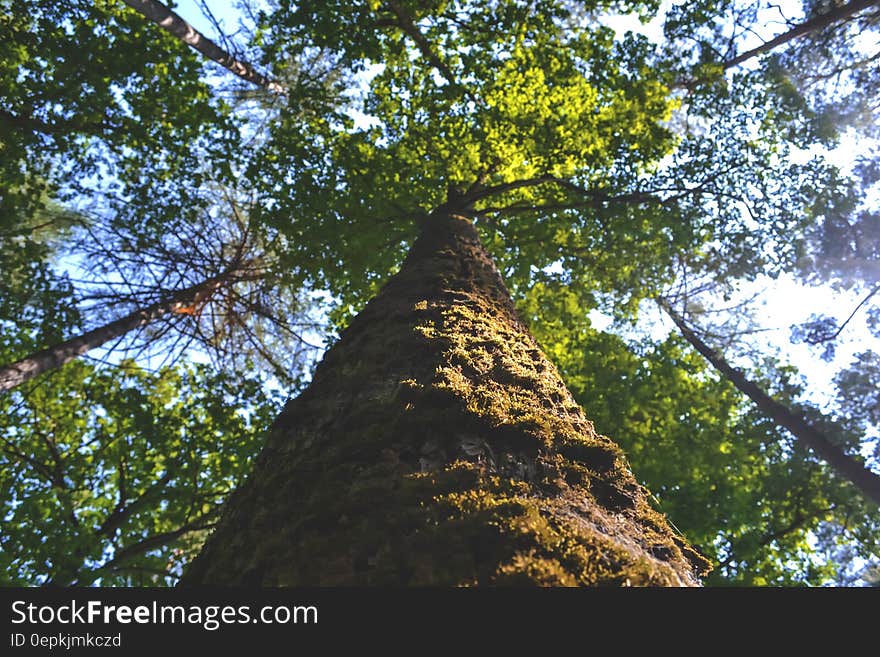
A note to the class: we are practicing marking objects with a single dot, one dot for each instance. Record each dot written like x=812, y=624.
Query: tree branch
x=799, y=521
x=38, y=125
x=405, y=23
x=172, y=23
x=141, y=547
x=803, y=431
x=817, y=23
x=593, y=197
x=123, y=511
x=833, y=336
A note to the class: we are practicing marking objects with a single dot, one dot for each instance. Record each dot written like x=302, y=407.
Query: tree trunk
x=171, y=22
x=842, y=463
x=817, y=23
x=42, y=361
x=437, y=445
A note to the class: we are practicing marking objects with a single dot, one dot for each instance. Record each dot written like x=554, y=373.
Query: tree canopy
x=693, y=162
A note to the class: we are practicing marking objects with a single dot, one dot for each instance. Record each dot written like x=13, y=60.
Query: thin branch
x=833, y=336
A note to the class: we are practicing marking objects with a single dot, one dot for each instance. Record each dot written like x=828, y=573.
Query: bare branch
x=833, y=336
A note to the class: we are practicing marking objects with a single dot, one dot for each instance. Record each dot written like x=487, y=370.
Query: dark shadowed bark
x=169, y=21
x=437, y=445
x=842, y=463
x=42, y=361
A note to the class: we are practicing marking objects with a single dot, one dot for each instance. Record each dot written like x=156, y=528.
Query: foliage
x=114, y=475
x=81, y=113
x=34, y=299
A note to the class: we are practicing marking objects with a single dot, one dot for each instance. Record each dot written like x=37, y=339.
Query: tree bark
x=171, y=22
x=817, y=23
x=437, y=445
x=42, y=361
x=842, y=463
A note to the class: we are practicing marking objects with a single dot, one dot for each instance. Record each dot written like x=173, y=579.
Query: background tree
x=175, y=25
x=812, y=436
x=749, y=497
x=206, y=283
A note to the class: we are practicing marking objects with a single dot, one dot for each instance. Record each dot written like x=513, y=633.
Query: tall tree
x=461, y=460
x=493, y=107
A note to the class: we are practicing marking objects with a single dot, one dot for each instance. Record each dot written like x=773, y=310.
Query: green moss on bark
x=437, y=445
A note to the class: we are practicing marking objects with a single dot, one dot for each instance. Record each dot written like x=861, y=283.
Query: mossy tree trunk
x=437, y=445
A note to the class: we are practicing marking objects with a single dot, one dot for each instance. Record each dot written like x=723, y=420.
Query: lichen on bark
x=437, y=445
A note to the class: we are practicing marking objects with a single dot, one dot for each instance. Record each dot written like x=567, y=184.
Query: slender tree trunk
x=42, y=361
x=169, y=21
x=437, y=445
x=817, y=23
x=842, y=463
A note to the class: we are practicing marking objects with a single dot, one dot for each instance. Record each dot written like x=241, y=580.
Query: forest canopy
x=682, y=199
